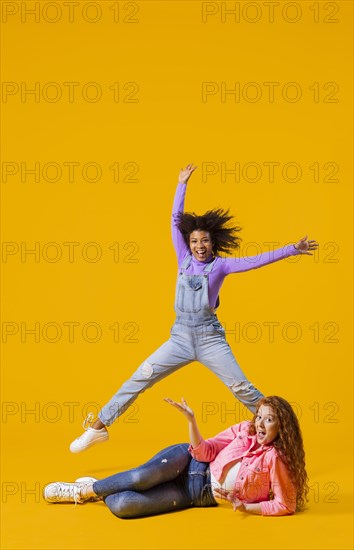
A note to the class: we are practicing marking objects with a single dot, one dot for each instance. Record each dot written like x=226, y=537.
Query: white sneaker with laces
x=63, y=492
x=89, y=437
x=69, y=492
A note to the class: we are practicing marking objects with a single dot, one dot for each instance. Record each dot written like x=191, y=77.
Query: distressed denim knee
x=245, y=392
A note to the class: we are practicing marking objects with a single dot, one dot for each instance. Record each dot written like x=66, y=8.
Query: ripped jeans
x=189, y=341
x=171, y=480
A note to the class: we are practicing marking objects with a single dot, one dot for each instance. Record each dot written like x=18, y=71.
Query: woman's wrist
x=239, y=505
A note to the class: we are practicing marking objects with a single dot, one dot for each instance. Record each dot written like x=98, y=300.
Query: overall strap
x=186, y=262
x=209, y=267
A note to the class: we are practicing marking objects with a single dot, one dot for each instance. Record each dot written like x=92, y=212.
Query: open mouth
x=201, y=253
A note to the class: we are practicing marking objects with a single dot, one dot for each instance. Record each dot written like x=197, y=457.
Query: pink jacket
x=260, y=473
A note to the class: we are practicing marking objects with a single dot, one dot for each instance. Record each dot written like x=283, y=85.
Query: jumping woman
x=196, y=335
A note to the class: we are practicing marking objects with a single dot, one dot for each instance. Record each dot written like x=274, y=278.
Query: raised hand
x=195, y=436
x=304, y=246
x=182, y=407
x=186, y=173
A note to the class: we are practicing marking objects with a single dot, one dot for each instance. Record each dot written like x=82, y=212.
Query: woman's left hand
x=304, y=246
x=237, y=504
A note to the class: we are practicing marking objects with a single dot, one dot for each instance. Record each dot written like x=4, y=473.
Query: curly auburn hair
x=216, y=222
x=288, y=444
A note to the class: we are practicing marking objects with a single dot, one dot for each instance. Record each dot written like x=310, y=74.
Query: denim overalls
x=196, y=335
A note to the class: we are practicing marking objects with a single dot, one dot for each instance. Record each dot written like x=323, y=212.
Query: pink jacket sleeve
x=283, y=489
x=208, y=449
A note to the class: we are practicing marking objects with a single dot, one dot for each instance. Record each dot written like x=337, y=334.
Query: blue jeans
x=189, y=341
x=171, y=480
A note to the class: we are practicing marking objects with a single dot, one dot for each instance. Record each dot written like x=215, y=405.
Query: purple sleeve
x=177, y=237
x=238, y=265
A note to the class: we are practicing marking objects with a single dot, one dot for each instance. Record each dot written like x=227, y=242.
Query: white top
x=229, y=480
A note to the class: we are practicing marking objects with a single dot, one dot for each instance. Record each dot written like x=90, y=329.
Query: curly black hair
x=216, y=222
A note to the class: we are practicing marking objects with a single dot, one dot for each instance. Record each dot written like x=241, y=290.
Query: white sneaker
x=64, y=492
x=69, y=492
x=89, y=437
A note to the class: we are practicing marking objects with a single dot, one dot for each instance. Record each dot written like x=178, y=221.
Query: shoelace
x=70, y=492
x=87, y=423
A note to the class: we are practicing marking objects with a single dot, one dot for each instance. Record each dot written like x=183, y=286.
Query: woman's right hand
x=237, y=504
x=182, y=407
x=186, y=173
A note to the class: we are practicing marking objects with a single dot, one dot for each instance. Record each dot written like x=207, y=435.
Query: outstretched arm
x=194, y=434
x=205, y=450
x=238, y=265
x=178, y=206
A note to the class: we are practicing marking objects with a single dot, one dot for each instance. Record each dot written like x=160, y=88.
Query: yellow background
x=169, y=52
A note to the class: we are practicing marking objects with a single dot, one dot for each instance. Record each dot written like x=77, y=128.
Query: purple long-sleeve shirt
x=222, y=266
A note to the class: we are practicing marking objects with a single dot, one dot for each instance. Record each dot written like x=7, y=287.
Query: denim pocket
x=217, y=326
x=188, y=300
x=199, y=485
